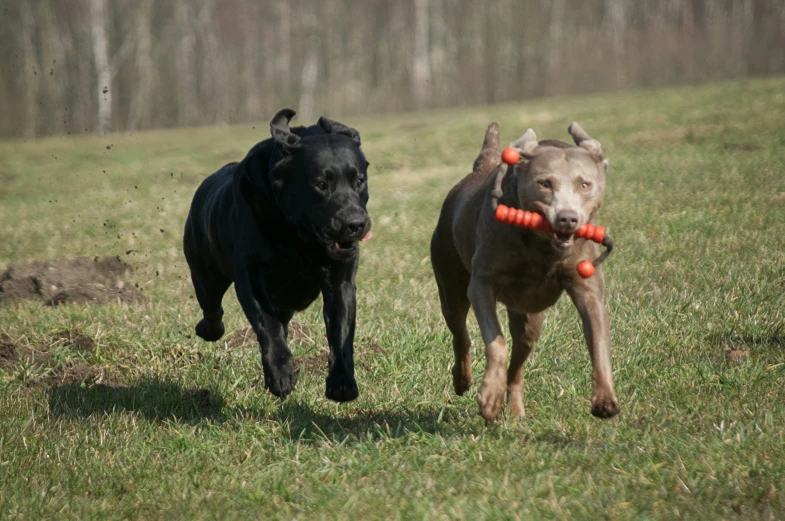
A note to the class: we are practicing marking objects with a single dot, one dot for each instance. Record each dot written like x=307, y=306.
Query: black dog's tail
x=490, y=155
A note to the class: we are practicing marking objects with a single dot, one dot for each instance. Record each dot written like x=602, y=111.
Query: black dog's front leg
x=339, y=292
x=277, y=361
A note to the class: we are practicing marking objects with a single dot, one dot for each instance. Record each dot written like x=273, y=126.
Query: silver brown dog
x=479, y=261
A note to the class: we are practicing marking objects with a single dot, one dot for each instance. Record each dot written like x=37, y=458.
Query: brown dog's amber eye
x=585, y=185
x=544, y=183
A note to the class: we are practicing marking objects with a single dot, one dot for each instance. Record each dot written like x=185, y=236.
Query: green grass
x=169, y=427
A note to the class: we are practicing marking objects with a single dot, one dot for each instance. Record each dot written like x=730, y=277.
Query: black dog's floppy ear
x=333, y=127
x=279, y=128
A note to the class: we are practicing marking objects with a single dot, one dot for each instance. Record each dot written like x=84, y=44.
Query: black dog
x=284, y=224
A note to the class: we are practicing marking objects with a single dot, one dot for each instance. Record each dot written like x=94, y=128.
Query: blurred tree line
x=69, y=66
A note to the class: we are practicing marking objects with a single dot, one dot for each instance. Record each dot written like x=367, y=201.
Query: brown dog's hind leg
x=455, y=308
x=525, y=330
x=455, y=317
x=490, y=397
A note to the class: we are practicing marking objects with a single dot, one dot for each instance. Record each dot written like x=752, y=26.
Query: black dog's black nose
x=567, y=219
x=356, y=225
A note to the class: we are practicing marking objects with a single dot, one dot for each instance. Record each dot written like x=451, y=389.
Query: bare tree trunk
x=214, y=74
x=98, y=23
x=555, y=40
x=284, y=48
x=138, y=108
x=185, y=65
x=421, y=71
x=309, y=77
x=438, y=54
x=252, y=80
x=30, y=74
x=616, y=25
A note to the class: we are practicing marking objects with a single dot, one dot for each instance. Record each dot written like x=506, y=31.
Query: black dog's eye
x=544, y=183
x=321, y=185
x=360, y=183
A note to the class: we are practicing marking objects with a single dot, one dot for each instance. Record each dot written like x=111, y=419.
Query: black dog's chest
x=293, y=289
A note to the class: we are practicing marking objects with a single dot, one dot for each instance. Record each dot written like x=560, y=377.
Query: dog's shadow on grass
x=307, y=424
x=737, y=340
x=156, y=399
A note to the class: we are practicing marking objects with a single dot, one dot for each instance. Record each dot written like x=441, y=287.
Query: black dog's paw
x=281, y=380
x=210, y=331
x=341, y=389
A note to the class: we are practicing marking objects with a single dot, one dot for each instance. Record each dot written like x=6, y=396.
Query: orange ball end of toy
x=510, y=156
x=585, y=269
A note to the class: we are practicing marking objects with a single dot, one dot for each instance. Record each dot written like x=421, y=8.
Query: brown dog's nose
x=566, y=220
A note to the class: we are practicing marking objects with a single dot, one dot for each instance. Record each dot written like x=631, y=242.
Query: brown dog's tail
x=490, y=155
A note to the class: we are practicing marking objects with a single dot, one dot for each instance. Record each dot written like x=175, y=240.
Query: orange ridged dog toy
x=535, y=221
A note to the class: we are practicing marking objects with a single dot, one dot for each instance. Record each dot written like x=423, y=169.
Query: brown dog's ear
x=333, y=127
x=583, y=140
x=279, y=128
x=527, y=144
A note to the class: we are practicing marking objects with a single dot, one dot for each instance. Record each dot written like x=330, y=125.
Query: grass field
x=169, y=427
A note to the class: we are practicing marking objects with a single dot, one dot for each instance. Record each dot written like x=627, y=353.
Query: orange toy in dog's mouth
x=535, y=221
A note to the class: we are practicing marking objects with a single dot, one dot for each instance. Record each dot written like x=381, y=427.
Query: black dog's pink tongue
x=367, y=237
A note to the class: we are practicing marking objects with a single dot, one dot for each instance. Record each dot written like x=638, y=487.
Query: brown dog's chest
x=527, y=291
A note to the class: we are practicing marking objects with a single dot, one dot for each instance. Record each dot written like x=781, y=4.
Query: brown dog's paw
x=461, y=380
x=605, y=407
x=490, y=399
x=515, y=402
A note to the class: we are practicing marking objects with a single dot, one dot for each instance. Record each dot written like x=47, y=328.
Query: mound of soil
x=59, y=281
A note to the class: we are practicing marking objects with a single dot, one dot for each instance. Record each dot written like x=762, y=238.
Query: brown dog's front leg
x=587, y=297
x=490, y=397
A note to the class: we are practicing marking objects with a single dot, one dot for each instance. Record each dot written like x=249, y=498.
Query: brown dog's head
x=564, y=183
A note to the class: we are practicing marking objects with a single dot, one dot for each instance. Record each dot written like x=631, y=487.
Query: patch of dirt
x=742, y=147
x=8, y=355
x=41, y=369
x=77, y=339
x=299, y=334
x=65, y=375
x=241, y=337
x=309, y=363
x=60, y=281
x=737, y=355
x=306, y=334
x=367, y=348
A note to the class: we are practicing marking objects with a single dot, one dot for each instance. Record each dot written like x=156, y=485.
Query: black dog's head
x=319, y=179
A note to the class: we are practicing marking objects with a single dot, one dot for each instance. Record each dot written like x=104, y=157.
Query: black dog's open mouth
x=337, y=249
x=344, y=245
